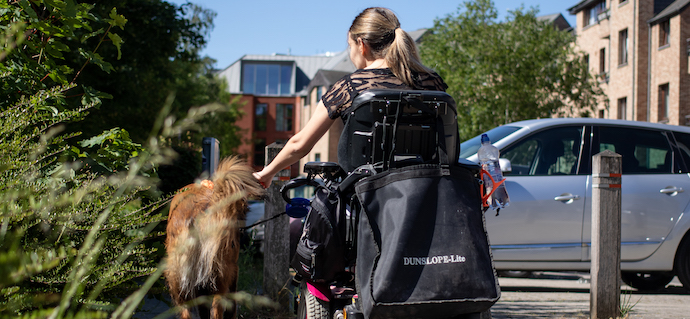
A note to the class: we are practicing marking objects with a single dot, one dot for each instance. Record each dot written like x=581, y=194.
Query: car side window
x=642, y=151
x=551, y=152
x=683, y=142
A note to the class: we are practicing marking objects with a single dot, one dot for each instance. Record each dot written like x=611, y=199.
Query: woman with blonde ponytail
x=380, y=29
x=385, y=56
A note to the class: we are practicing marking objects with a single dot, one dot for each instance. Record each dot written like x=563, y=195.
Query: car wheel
x=647, y=281
x=683, y=263
x=310, y=307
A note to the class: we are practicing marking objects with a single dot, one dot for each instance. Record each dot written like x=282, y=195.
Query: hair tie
x=390, y=36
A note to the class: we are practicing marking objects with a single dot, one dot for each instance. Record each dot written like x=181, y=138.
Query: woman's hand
x=265, y=181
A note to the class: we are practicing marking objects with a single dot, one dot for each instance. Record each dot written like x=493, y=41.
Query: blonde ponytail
x=403, y=58
x=380, y=29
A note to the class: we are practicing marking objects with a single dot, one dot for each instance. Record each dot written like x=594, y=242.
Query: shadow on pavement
x=535, y=311
x=543, y=289
x=532, y=282
x=670, y=290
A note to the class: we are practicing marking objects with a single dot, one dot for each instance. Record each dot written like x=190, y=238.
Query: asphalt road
x=566, y=295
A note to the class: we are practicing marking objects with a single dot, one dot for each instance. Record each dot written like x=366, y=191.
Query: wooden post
x=276, y=237
x=606, y=236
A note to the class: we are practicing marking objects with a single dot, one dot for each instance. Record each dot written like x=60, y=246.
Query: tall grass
x=626, y=305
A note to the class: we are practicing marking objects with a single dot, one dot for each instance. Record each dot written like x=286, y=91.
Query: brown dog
x=203, y=236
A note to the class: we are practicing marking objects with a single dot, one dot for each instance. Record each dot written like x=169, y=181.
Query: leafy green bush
x=71, y=241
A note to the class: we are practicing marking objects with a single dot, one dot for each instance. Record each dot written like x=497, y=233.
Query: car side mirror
x=506, y=167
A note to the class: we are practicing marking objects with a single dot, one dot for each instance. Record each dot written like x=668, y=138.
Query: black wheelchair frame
x=384, y=129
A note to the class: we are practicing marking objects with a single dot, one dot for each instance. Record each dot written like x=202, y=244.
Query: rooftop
x=556, y=19
x=671, y=10
x=581, y=5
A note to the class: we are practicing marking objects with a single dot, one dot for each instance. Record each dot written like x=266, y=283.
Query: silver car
x=548, y=167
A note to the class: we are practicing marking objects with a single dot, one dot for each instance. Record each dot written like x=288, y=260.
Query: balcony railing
x=603, y=77
x=603, y=15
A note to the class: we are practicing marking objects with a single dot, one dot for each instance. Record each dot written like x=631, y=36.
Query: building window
x=266, y=78
x=663, y=102
x=259, y=152
x=622, y=108
x=586, y=60
x=260, y=116
x=592, y=14
x=284, y=117
x=319, y=93
x=664, y=33
x=601, y=114
x=317, y=157
x=623, y=47
x=602, y=61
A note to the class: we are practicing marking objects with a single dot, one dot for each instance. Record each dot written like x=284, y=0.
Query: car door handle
x=567, y=198
x=671, y=190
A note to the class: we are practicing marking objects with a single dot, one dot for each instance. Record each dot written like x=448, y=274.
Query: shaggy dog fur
x=203, y=236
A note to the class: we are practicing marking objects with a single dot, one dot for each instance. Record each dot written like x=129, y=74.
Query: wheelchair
x=397, y=134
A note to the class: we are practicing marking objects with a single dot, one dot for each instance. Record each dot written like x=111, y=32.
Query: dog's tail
x=234, y=182
x=214, y=242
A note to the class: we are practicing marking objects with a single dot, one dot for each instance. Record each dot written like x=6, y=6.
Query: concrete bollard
x=606, y=235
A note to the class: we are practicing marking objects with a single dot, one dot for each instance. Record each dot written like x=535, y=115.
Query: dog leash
x=262, y=221
x=209, y=184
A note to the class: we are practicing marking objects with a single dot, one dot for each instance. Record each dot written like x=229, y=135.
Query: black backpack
x=321, y=253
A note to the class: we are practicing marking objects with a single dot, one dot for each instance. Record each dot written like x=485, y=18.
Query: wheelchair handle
x=294, y=183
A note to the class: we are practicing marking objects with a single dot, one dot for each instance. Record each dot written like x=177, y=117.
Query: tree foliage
x=40, y=36
x=128, y=73
x=160, y=55
x=500, y=72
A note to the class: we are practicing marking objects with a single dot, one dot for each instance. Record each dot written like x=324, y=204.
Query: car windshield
x=470, y=147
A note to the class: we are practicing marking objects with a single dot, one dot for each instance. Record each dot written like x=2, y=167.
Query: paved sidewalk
x=566, y=295
x=550, y=295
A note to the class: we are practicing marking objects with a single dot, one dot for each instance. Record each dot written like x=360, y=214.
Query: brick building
x=639, y=51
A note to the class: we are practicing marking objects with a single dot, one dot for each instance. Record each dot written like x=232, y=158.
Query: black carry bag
x=320, y=253
x=422, y=247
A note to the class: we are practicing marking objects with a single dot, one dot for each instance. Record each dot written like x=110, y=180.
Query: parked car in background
x=255, y=235
x=548, y=167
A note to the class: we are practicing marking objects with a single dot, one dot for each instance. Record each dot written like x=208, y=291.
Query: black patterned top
x=339, y=98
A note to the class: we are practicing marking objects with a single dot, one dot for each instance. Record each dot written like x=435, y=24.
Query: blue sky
x=310, y=27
